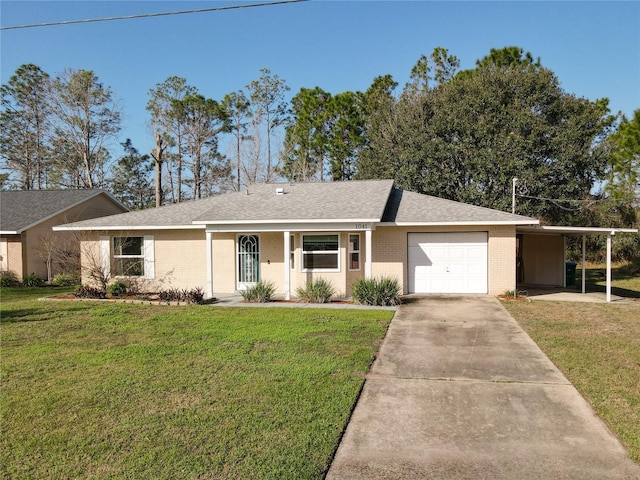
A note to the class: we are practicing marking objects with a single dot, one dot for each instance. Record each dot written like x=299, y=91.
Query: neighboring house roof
x=366, y=201
x=23, y=209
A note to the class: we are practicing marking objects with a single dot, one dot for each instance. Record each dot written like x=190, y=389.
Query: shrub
x=195, y=295
x=85, y=291
x=117, y=289
x=383, y=291
x=32, y=280
x=65, y=279
x=261, y=292
x=8, y=279
x=316, y=291
x=172, y=295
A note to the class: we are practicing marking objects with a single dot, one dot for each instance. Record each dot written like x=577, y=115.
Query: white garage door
x=448, y=262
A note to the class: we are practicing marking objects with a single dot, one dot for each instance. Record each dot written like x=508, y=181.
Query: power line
x=556, y=202
x=148, y=15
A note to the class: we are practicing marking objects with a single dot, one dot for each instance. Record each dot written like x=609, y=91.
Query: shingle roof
x=411, y=207
x=22, y=209
x=176, y=215
x=365, y=200
x=329, y=201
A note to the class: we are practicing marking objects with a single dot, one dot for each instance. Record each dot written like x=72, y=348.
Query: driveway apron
x=460, y=391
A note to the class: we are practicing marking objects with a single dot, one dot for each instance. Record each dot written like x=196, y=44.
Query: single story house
x=26, y=219
x=291, y=233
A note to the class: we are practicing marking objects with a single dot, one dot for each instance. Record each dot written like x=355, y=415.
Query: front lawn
x=597, y=347
x=93, y=390
x=625, y=279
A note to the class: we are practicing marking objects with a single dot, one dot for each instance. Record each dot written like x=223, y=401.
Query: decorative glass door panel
x=248, y=260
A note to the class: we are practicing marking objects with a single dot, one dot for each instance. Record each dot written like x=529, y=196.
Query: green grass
x=597, y=347
x=625, y=279
x=104, y=390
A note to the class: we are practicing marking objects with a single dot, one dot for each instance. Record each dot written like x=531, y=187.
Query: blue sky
x=593, y=47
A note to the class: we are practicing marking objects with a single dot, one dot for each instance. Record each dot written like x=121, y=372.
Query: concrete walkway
x=460, y=391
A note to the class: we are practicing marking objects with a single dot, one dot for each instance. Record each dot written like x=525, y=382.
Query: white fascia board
x=578, y=230
x=458, y=224
x=348, y=226
x=9, y=232
x=105, y=228
x=289, y=222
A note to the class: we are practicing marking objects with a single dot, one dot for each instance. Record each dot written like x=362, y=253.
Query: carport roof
x=560, y=230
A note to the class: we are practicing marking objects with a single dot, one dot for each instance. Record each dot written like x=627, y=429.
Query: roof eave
x=557, y=229
x=70, y=227
x=460, y=223
x=287, y=221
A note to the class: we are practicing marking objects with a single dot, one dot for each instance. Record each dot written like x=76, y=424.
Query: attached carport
x=549, y=250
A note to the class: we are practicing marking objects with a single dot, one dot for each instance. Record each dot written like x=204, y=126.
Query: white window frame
x=303, y=252
x=351, y=251
x=146, y=255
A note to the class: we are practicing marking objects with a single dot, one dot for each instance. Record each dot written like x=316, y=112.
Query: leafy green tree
x=267, y=95
x=204, y=120
x=25, y=126
x=468, y=137
x=377, y=158
x=508, y=57
x=238, y=111
x=624, y=175
x=306, y=137
x=169, y=128
x=131, y=179
x=345, y=128
x=87, y=118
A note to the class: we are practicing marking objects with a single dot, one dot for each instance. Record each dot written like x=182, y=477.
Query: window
x=321, y=252
x=354, y=251
x=128, y=256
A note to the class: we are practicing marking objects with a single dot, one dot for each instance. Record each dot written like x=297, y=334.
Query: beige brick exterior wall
x=180, y=258
x=543, y=259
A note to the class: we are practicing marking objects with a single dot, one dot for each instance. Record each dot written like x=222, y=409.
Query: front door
x=248, y=261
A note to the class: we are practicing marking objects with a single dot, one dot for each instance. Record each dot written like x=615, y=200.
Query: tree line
x=457, y=134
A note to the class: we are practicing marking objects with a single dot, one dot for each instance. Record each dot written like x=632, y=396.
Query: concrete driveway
x=460, y=391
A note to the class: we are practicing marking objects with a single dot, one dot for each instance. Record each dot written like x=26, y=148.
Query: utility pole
x=513, y=195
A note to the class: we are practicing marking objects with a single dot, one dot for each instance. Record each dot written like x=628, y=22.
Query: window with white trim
x=128, y=256
x=354, y=251
x=321, y=252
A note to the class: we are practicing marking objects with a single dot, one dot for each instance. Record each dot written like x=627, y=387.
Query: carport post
x=609, y=237
x=584, y=255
